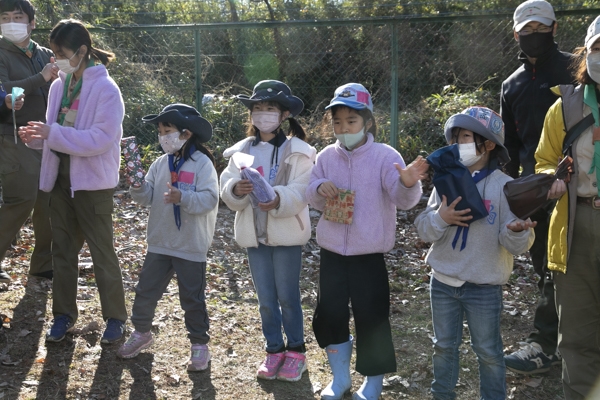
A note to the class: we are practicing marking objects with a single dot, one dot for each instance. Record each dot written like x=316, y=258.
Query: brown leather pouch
x=528, y=194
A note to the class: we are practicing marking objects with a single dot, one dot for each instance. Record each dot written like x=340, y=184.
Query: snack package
x=341, y=208
x=133, y=161
x=262, y=191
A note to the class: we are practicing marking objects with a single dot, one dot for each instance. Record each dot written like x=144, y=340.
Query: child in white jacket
x=274, y=232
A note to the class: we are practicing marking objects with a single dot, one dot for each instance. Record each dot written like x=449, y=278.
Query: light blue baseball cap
x=353, y=95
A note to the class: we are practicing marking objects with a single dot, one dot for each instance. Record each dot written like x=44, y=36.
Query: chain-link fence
x=418, y=69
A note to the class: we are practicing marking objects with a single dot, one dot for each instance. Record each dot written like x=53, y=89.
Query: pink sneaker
x=137, y=342
x=268, y=369
x=200, y=358
x=293, y=367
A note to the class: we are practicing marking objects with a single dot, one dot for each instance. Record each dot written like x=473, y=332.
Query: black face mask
x=536, y=44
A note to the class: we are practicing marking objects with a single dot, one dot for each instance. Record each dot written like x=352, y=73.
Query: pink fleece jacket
x=94, y=142
x=369, y=171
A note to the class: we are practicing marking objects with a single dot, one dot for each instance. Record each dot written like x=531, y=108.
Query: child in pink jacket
x=352, y=264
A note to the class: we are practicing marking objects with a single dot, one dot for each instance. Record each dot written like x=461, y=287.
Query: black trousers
x=545, y=320
x=361, y=280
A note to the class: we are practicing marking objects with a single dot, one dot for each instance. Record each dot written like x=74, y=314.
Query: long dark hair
x=186, y=150
x=579, y=67
x=72, y=34
x=294, y=130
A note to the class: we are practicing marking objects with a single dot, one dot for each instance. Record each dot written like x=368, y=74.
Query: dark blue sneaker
x=59, y=328
x=530, y=359
x=114, y=330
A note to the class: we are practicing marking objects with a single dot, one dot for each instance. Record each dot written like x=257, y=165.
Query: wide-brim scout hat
x=353, y=95
x=483, y=121
x=184, y=117
x=275, y=91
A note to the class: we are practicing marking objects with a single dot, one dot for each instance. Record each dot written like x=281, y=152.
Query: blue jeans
x=276, y=275
x=482, y=305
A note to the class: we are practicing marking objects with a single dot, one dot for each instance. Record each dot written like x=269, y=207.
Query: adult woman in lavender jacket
x=80, y=167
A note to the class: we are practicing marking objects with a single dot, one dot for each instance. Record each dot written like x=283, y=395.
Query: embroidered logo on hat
x=361, y=97
x=533, y=10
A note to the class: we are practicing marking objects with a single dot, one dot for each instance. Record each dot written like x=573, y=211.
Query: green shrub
x=421, y=129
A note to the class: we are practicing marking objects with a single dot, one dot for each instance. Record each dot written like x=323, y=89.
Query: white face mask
x=468, y=154
x=65, y=64
x=593, y=66
x=350, y=140
x=266, y=121
x=14, y=32
x=171, y=143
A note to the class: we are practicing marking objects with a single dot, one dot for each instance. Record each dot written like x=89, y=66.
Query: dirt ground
x=80, y=367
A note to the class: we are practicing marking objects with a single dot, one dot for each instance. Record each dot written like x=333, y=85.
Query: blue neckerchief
x=465, y=230
x=174, y=167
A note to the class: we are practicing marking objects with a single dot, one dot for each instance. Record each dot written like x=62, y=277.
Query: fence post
x=394, y=89
x=198, y=62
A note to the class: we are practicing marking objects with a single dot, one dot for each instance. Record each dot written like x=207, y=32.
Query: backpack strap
x=577, y=130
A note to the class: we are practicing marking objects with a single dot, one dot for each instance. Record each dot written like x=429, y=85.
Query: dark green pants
x=85, y=215
x=578, y=304
x=20, y=175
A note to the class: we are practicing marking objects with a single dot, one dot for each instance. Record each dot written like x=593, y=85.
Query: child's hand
x=270, y=205
x=243, y=188
x=414, y=172
x=452, y=216
x=133, y=183
x=518, y=225
x=327, y=189
x=173, y=195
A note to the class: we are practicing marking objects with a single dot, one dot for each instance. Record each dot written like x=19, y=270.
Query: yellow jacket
x=547, y=155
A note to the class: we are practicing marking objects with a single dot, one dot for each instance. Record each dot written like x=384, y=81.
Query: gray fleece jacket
x=199, y=203
x=487, y=257
x=16, y=69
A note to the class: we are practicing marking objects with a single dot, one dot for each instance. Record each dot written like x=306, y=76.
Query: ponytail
x=72, y=34
x=102, y=55
x=195, y=140
x=187, y=149
x=296, y=129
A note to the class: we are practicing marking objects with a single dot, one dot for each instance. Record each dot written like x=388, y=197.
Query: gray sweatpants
x=157, y=271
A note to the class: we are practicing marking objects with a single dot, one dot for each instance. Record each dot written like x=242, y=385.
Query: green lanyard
x=67, y=100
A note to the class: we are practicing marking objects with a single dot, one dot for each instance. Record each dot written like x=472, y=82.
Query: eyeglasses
x=541, y=29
